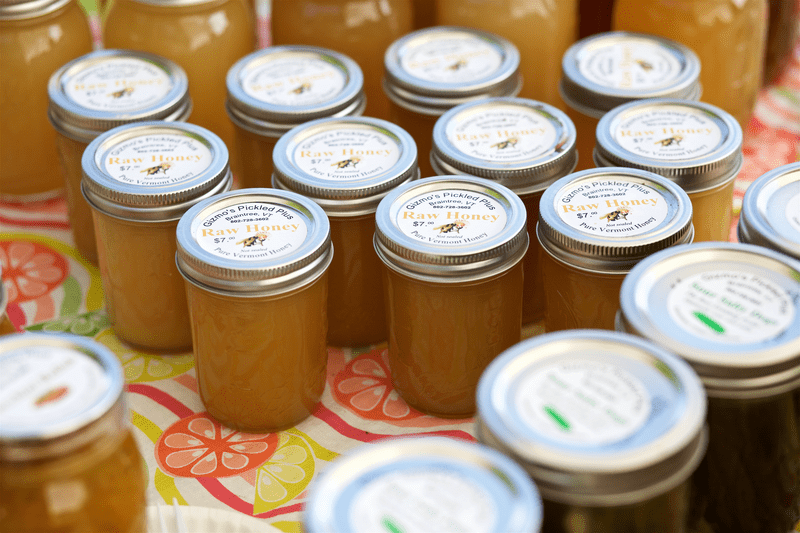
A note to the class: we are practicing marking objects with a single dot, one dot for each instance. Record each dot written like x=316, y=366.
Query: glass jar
x=423, y=484
x=258, y=305
x=522, y=144
x=273, y=90
x=696, y=145
x=433, y=70
x=424, y=13
x=36, y=37
x=593, y=227
x=452, y=247
x=347, y=165
x=732, y=311
x=611, y=69
x=68, y=459
x=782, y=34
x=139, y=179
x=97, y=92
x=361, y=29
x=610, y=428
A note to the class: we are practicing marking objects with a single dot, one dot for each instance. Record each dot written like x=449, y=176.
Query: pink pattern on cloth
x=31, y=270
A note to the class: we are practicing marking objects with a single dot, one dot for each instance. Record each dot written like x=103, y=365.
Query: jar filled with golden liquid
x=139, y=179
x=100, y=91
x=522, y=144
x=782, y=34
x=68, y=458
x=433, y=70
x=361, y=29
x=729, y=36
x=732, y=311
x=696, y=145
x=542, y=31
x=275, y=89
x=347, y=165
x=36, y=37
x=452, y=247
x=610, y=69
x=594, y=226
x=610, y=428
x=256, y=264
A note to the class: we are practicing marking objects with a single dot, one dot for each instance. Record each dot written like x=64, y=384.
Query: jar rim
x=27, y=9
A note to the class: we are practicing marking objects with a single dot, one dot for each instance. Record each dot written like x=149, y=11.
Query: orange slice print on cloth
x=199, y=446
x=140, y=367
x=286, y=474
x=30, y=270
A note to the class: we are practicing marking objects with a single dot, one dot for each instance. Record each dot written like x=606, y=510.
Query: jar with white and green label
x=732, y=311
x=610, y=428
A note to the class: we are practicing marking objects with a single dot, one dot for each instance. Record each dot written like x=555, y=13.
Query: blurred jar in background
x=781, y=35
x=595, y=17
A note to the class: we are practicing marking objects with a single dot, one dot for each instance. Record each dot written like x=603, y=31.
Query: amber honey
x=420, y=127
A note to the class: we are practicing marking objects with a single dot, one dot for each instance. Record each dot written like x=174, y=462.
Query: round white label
x=451, y=60
x=295, y=81
x=119, y=84
x=504, y=133
x=430, y=501
x=452, y=217
x=670, y=133
x=731, y=307
x=347, y=154
x=611, y=207
x=43, y=385
x=630, y=65
x=157, y=159
x=253, y=231
x=583, y=402
x=793, y=212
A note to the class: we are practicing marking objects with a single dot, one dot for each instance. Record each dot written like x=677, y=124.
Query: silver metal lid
x=153, y=171
x=694, y=144
x=597, y=418
x=431, y=70
x=57, y=393
x=275, y=89
x=108, y=88
x=423, y=484
x=731, y=310
x=522, y=144
x=26, y=9
x=254, y=242
x=609, y=69
x=346, y=165
x=451, y=229
x=770, y=214
x=609, y=219
x=177, y=3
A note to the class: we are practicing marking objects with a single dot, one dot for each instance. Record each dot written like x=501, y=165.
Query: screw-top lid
x=254, y=242
x=275, y=89
x=597, y=418
x=431, y=70
x=522, y=144
x=417, y=485
x=57, y=394
x=609, y=69
x=451, y=229
x=609, y=219
x=24, y=9
x=770, y=214
x=109, y=88
x=694, y=144
x=731, y=310
x=346, y=165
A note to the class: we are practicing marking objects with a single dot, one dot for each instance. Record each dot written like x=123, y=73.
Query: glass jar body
x=586, y=137
x=532, y=289
x=712, y=211
x=6, y=327
x=420, y=127
x=70, y=152
x=254, y=153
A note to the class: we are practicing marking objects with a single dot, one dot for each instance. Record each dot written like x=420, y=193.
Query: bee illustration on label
x=51, y=396
x=647, y=67
x=669, y=141
x=447, y=228
x=152, y=171
x=621, y=213
x=347, y=163
x=252, y=240
x=458, y=65
x=511, y=141
x=127, y=91
x=302, y=88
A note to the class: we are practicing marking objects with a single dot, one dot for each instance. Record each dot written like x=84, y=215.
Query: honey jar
x=609, y=427
x=139, y=179
x=97, y=92
x=430, y=71
x=594, y=226
x=256, y=263
x=347, y=165
x=280, y=87
x=606, y=70
x=423, y=484
x=6, y=326
x=732, y=311
x=452, y=247
x=68, y=459
x=36, y=37
x=522, y=144
x=694, y=144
